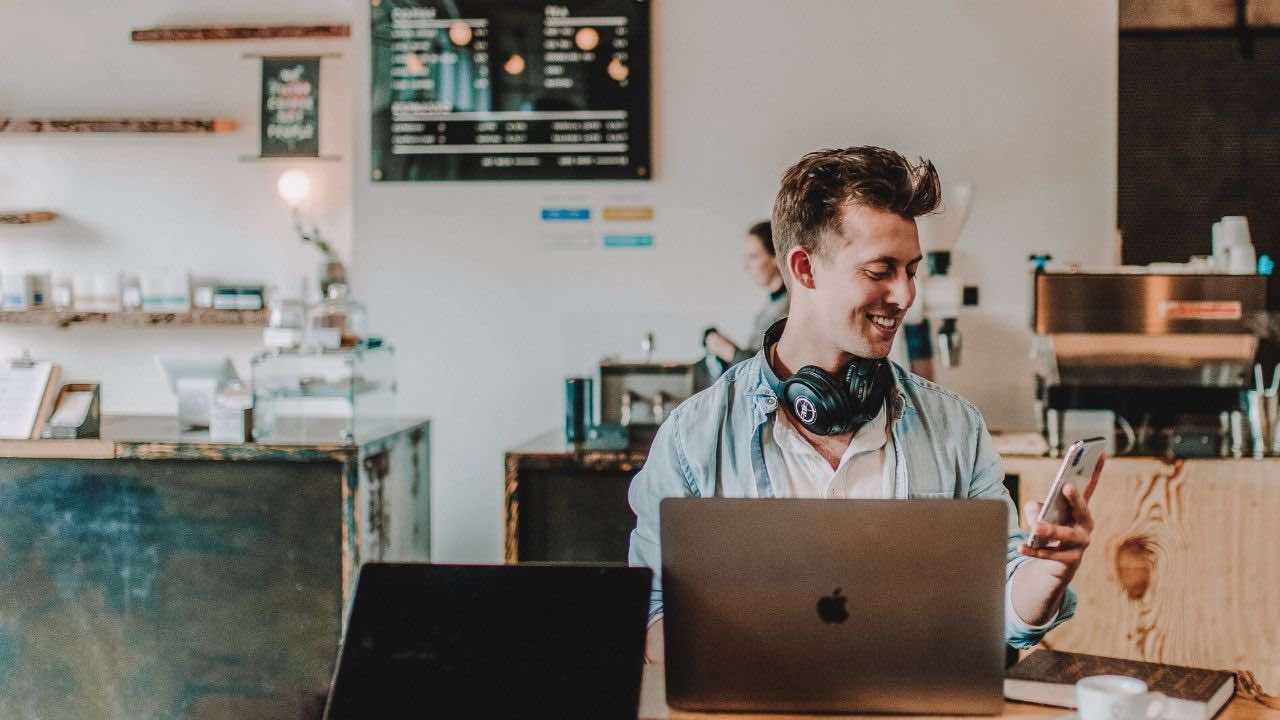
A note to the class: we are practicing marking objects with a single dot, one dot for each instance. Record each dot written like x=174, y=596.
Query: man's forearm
x=1037, y=594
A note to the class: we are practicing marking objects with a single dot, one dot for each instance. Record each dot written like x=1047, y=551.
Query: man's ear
x=800, y=267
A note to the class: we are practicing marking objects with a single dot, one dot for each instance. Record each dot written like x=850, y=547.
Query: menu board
x=290, y=106
x=510, y=90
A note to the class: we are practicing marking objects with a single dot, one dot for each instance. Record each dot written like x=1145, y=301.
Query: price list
x=499, y=89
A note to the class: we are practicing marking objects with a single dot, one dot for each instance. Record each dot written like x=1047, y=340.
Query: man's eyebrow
x=890, y=260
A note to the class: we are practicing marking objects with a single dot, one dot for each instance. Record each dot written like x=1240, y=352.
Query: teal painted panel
x=167, y=589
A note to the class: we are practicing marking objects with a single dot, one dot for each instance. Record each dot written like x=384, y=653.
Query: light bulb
x=293, y=186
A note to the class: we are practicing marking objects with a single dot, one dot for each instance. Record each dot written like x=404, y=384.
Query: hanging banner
x=290, y=107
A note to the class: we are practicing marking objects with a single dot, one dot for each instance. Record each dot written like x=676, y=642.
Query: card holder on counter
x=77, y=413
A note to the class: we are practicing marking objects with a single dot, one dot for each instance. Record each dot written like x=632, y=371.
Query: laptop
x=855, y=606
x=490, y=641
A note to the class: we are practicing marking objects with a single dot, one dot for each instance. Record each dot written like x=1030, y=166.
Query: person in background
x=760, y=261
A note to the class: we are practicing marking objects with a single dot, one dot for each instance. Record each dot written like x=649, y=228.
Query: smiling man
x=820, y=412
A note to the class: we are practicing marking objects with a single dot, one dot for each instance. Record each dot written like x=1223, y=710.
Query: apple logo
x=831, y=608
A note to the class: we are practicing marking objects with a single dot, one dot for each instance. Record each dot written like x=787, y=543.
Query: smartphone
x=1077, y=468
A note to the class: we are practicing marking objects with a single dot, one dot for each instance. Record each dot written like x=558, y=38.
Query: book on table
x=1049, y=677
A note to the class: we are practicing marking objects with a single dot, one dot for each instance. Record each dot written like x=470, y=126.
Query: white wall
x=140, y=203
x=1018, y=97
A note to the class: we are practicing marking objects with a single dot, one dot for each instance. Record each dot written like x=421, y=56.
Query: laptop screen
x=505, y=641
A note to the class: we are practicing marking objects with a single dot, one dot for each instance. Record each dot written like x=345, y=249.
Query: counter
x=1182, y=569
x=156, y=574
x=1183, y=566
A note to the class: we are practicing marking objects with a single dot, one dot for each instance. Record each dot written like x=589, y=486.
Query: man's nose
x=902, y=290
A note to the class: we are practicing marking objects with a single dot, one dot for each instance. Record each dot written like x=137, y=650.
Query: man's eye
x=878, y=274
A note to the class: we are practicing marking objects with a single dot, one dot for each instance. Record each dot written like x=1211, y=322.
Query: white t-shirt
x=866, y=469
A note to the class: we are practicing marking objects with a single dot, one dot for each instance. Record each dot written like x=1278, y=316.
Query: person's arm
x=665, y=474
x=1043, y=581
x=1035, y=600
x=723, y=348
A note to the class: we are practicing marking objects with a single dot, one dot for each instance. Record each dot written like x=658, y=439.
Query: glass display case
x=312, y=395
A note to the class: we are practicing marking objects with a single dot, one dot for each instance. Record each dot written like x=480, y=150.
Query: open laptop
x=492, y=641
x=893, y=606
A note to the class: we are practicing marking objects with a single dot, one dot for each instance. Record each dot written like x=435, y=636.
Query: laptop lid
x=834, y=605
x=509, y=641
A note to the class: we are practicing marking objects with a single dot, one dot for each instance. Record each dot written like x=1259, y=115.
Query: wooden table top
x=653, y=706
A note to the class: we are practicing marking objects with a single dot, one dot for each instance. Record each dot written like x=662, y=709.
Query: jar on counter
x=338, y=321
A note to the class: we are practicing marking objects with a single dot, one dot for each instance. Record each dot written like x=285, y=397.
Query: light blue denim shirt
x=941, y=445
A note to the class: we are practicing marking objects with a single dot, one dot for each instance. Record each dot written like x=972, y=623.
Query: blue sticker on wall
x=569, y=214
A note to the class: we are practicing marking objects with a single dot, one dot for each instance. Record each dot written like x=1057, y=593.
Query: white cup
x=1116, y=697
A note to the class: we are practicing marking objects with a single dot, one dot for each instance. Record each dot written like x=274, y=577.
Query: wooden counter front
x=1185, y=563
x=653, y=706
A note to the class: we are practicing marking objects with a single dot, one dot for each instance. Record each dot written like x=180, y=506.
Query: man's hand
x=720, y=346
x=1038, y=587
x=1062, y=561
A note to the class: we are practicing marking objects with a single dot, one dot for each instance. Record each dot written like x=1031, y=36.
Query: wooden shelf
x=27, y=217
x=201, y=33
x=195, y=318
x=119, y=125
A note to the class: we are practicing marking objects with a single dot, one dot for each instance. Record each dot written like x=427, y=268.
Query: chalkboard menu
x=290, y=106
x=510, y=90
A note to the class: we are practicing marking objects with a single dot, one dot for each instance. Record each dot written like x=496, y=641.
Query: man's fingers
x=1070, y=557
x=1080, y=512
x=1068, y=535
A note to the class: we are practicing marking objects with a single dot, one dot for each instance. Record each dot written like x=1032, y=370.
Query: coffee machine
x=1169, y=355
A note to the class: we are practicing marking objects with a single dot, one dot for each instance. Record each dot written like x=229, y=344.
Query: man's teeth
x=884, y=322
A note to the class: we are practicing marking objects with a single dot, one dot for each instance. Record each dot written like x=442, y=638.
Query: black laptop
x=492, y=641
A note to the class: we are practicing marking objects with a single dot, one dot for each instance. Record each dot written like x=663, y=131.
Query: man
x=844, y=227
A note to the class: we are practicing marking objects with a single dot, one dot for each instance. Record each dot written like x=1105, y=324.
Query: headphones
x=826, y=404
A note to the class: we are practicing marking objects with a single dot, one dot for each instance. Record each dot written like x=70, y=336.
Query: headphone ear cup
x=868, y=386
x=818, y=401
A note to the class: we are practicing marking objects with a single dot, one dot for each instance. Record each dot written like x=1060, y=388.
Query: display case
x=327, y=396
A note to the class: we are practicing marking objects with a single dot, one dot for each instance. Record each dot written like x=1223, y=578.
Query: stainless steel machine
x=1169, y=355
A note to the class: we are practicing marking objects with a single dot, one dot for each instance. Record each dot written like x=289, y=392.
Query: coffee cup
x=1116, y=697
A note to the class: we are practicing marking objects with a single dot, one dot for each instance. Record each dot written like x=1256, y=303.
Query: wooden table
x=653, y=706
x=1182, y=568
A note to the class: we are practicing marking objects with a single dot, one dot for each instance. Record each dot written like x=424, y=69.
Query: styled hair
x=817, y=189
x=763, y=232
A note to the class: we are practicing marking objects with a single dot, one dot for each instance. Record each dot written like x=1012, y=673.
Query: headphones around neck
x=826, y=404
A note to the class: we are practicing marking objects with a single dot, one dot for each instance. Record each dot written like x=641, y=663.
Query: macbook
x=893, y=606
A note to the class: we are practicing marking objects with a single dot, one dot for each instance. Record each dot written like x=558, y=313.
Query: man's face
x=864, y=280
x=758, y=263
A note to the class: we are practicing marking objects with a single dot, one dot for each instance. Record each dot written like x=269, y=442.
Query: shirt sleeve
x=988, y=482
x=665, y=474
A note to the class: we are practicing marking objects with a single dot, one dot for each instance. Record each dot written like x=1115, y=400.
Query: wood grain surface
x=653, y=706
x=118, y=125
x=193, y=33
x=27, y=217
x=1183, y=568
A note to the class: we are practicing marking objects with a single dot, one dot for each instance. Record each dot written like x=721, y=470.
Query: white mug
x=1116, y=697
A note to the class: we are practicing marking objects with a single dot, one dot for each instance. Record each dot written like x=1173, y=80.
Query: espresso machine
x=1169, y=355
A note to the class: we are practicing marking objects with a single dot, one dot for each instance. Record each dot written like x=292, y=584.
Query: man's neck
x=799, y=346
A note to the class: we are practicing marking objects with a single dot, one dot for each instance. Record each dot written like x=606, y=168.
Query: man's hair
x=816, y=190
x=763, y=232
